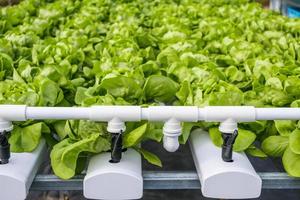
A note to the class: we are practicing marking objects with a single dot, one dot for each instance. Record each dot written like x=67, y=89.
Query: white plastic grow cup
x=219, y=179
x=17, y=175
x=123, y=180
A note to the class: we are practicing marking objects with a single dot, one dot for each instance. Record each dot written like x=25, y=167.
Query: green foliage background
x=123, y=52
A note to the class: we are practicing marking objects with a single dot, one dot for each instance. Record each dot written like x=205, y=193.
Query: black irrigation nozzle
x=227, y=147
x=4, y=148
x=116, y=147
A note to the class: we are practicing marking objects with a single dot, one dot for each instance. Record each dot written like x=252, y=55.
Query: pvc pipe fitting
x=172, y=116
x=171, y=131
x=115, y=125
x=219, y=179
x=9, y=113
x=228, y=126
x=6, y=126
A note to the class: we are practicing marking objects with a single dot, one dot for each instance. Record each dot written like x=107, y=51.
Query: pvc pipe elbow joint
x=11, y=113
x=171, y=131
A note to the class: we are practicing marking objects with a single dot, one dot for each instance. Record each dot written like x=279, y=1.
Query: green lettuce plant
x=135, y=52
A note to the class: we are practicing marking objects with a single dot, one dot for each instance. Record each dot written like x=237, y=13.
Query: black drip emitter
x=4, y=148
x=116, y=128
x=227, y=147
x=116, y=147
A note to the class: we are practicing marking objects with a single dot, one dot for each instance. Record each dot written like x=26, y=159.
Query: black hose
x=116, y=147
x=227, y=147
x=4, y=148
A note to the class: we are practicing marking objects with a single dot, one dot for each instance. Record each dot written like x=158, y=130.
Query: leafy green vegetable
x=50, y=94
x=294, y=141
x=185, y=132
x=122, y=87
x=160, y=88
x=291, y=162
x=275, y=145
x=27, y=138
x=150, y=157
x=64, y=155
x=192, y=52
x=254, y=151
x=244, y=139
x=134, y=137
x=285, y=127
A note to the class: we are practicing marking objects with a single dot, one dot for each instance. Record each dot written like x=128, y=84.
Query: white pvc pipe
x=152, y=113
x=234, y=113
x=277, y=113
x=57, y=113
x=164, y=113
x=172, y=116
x=123, y=113
x=13, y=112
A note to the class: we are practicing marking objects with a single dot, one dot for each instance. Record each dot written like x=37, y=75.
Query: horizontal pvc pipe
x=123, y=113
x=277, y=113
x=201, y=114
x=57, y=113
x=164, y=113
x=152, y=113
x=234, y=113
x=144, y=113
x=13, y=112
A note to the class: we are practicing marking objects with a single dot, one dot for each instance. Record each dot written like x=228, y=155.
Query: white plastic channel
x=111, y=181
x=16, y=176
x=219, y=179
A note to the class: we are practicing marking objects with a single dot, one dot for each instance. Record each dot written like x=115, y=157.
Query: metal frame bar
x=163, y=180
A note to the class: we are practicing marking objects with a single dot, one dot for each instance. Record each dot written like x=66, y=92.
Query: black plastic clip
x=116, y=147
x=227, y=147
x=4, y=148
